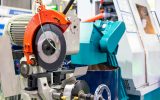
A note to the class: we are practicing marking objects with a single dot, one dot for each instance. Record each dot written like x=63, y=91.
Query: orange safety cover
x=43, y=17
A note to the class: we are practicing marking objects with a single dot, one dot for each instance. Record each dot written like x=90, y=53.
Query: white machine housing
x=141, y=65
x=139, y=52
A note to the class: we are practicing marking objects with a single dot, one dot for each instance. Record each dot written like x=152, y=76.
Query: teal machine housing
x=99, y=44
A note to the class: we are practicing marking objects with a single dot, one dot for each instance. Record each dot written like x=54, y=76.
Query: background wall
x=26, y=4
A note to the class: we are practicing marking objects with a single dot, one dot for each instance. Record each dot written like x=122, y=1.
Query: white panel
x=130, y=53
x=151, y=44
x=131, y=59
x=157, y=8
x=84, y=9
x=129, y=22
x=152, y=4
x=153, y=58
x=9, y=81
x=4, y=11
x=156, y=20
x=121, y=4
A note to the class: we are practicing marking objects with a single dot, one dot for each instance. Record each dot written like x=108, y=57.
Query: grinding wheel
x=50, y=47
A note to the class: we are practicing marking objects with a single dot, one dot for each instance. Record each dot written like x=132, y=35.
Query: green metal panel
x=153, y=95
x=96, y=37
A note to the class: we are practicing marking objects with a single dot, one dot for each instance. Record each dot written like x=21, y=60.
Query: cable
x=68, y=6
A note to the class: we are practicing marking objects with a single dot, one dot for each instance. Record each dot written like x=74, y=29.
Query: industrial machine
x=37, y=51
x=36, y=47
x=138, y=53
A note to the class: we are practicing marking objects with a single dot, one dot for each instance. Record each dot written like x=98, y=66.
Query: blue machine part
x=1, y=29
x=10, y=11
x=17, y=12
x=109, y=77
x=98, y=42
x=15, y=47
x=17, y=66
x=17, y=55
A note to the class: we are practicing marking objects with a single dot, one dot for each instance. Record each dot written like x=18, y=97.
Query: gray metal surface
x=16, y=28
x=9, y=81
x=68, y=91
x=44, y=90
x=26, y=4
x=72, y=35
x=52, y=58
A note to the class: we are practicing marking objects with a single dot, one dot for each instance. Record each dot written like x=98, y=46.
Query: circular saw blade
x=50, y=47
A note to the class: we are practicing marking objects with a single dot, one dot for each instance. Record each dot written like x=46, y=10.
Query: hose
x=97, y=17
x=68, y=7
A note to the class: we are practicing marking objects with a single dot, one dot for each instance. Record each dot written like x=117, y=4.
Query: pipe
x=97, y=17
